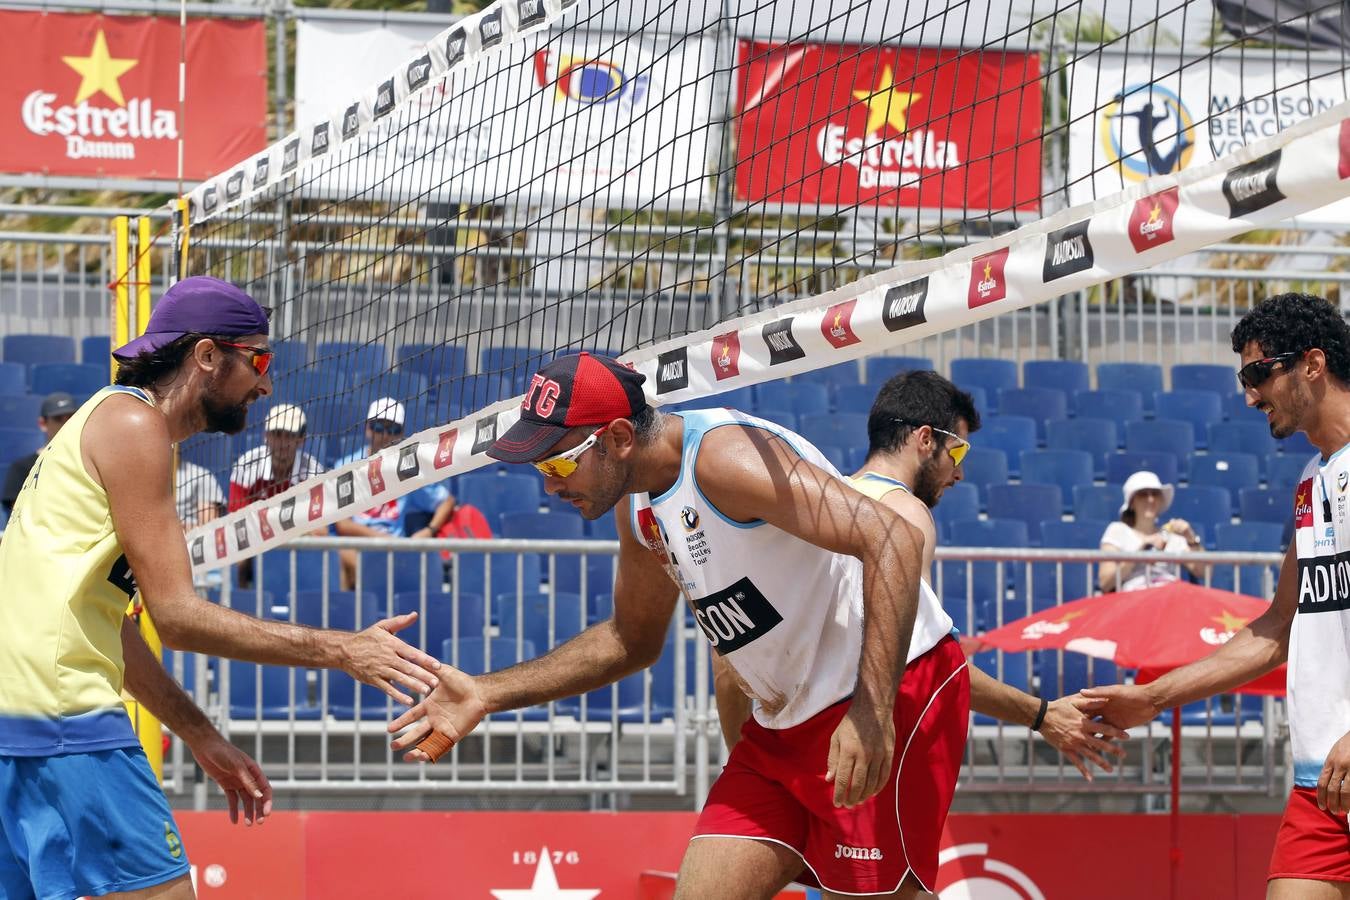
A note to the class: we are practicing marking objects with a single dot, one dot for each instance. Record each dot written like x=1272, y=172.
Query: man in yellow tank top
x=80, y=811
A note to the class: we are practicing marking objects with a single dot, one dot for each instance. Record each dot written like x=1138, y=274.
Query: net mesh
x=546, y=176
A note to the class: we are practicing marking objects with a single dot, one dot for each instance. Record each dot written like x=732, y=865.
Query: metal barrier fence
x=654, y=734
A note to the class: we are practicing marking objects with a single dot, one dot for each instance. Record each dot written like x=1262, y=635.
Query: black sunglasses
x=381, y=427
x=1255, y=373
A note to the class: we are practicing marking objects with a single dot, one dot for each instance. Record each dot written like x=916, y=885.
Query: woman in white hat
x=1146, y=499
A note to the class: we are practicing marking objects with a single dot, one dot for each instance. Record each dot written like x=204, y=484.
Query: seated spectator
x=55, y=411
x=197, y=494
x=272, y=468
x=422, y=513
x=278, y=464
x=1146, y=499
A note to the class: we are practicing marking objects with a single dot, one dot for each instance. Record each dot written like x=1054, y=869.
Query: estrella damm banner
x=94, y=95
x=835, y=125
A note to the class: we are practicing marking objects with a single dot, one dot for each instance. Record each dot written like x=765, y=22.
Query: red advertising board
x=95, y=95
x=630, y=856
x=836, y=125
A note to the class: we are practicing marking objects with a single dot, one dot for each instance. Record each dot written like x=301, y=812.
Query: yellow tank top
x=64, y=587
x=877, y=486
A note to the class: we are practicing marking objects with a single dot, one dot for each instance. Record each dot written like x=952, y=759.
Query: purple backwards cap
x=198, y=305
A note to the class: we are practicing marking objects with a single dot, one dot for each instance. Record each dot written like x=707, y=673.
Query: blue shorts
x=84, y=824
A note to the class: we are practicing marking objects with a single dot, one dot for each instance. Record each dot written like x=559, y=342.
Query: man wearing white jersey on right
x=808, y=590
x=1295, y=351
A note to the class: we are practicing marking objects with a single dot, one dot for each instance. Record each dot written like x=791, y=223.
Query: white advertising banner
x=1129, y=122
x=560, y=118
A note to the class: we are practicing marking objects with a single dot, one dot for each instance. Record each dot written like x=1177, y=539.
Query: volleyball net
x=724, y=194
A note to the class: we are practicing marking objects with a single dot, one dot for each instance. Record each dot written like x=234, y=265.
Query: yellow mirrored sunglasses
x=565, y=463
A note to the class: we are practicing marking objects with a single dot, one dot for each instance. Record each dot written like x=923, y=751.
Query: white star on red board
x=545, y=885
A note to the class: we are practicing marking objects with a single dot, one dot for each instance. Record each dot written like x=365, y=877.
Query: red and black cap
x=573, y=390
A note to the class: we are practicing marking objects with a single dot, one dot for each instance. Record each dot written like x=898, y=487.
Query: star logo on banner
x=99, y=72
x=886, y=104
x=1229, y=621
x=545, y=885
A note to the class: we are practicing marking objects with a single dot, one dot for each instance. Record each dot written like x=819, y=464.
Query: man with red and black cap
x=81, y=813
x=805, y=588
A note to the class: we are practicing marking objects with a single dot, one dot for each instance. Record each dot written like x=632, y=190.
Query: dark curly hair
x=918, y=398
x=1289, y=323
x=148, y=369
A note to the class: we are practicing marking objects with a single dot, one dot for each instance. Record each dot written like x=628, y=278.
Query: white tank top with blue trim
x=1319, y=637
x=785, y=614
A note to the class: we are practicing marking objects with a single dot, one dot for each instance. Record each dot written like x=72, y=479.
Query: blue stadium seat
x=19, y=442
x=1051, y=582
x=838, y=375
x=982, y=467
x=548, y=526
x=604, y=528
x=1065, y=468
x=508, y=360
x=836, y=454
x=834, y=429
x=411, y=572
x=1233, y=471
x=528, y=615
x=1065, y=672
x=33, y=349
x=1010, y=434
x=980, y=399
x=856, y=398
x=801, y=397
x=20, y=410
x=969, y=590
x=648, y=695
x=1097, y=502
x=96, y=350
x=309, y=386
x=1080, y=534
x=351, y=356
x=1222, y=710
x=496, y=493
x=13, y=378
x=1120, y=406
x=1241, y=437
x=1265, y=505
x=1222, y=380
x=1067, y=375
x=73, y=378
x=510, y=573
x=1235, y=409
x=960, y=501
x=1040, y=404
x=291, y=356
x=993, y=375
x=436, y=363
x=1029, y=503
x=341, y=609
x=273, y=570
x=1143, y=378
x=1204, y=506
x=1009, y=668
x=476, y=656
x=1297, y=444
x=1283, y=471
x=881, y=369
x=1249, y=537
x=1162, y=436
x=271, y=692
x=742, y=399
x=188, y=678
x=404, y=387
x=1095, y=437
x=1200, y=408
x=1120, y=466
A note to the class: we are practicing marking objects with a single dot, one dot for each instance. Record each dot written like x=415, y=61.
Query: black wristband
x=1040, y=715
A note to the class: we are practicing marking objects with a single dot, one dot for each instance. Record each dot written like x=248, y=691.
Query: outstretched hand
x=378, y=658
x=1124, y=705
x=1071, y=726
x=454, y=709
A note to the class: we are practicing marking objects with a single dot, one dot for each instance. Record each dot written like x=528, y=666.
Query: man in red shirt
x=278, y=463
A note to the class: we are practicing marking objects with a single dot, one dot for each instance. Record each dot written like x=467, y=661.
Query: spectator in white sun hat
x=1140, y=529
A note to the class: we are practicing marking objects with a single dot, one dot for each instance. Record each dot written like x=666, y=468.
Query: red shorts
x=773, y=787
x=1311, y=843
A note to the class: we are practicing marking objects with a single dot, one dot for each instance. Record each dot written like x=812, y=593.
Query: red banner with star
x=836, y=125
x=95, y=95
